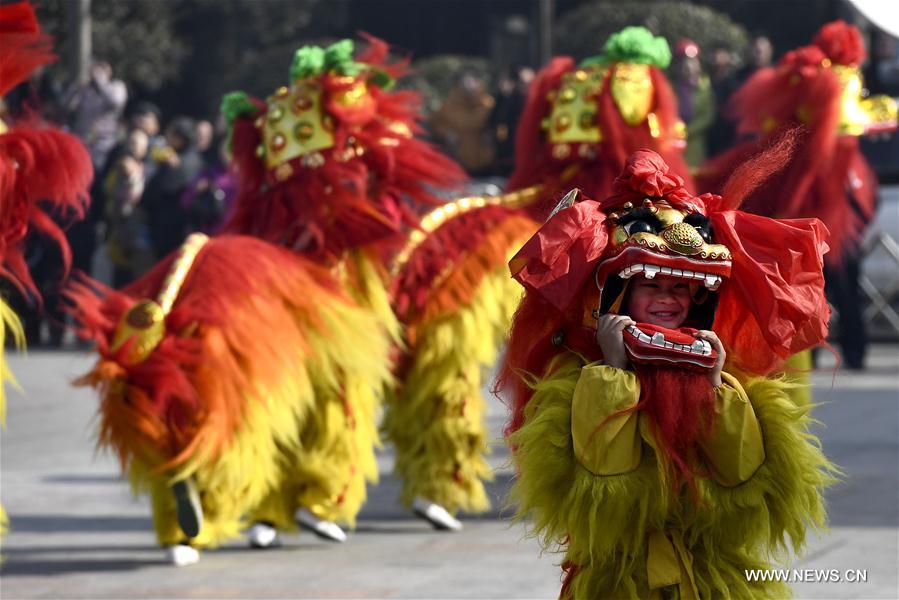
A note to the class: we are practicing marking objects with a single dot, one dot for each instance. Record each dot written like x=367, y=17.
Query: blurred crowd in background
x=157, y=178
x=161, y=175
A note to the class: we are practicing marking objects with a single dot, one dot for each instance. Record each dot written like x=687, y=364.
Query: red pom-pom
x=647, y=175
x=805, y=59
x=841, y=42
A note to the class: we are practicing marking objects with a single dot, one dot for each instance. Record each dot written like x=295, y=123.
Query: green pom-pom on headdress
x=339, y=58
x=310, y=61
x=634, y=45
x=234, y=106
x=307, y=62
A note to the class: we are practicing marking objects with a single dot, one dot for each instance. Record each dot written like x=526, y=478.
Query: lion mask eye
x=639, y=227
x=701, y=224
x=641, y=220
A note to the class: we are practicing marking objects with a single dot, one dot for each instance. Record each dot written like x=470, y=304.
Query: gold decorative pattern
x=683, y=238
x=295, y=123
x=675, y=237
x=882, y=110
x=145, y=321
x=145, y=324
x=652, y=121
x=440, y=215
x=572, y=117
x=632, y=91
x=853, y=118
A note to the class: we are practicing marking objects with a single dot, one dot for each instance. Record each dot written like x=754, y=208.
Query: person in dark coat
x=180, y=163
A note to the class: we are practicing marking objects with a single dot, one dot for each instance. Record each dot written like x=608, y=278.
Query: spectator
x=461, y=124
x=206, y=137
x=511, y=95
x=94, y=110
x=128, y=243
x=761, y=54
x=695, y=99
x=722, y=134
x=179, y=164
x=208, y=198
x=146, y=116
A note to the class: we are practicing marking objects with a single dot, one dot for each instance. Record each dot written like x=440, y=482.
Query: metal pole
x=80, y=39
x=545, y=11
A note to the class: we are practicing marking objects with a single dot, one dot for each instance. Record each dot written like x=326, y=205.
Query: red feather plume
x=24, y=46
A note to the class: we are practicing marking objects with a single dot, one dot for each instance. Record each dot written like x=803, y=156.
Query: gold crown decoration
x=573, y=116
x=294, y=124
x=853, y=118
x=883, y=111
x=859, y=114
x=632, y=90
x=297, y=125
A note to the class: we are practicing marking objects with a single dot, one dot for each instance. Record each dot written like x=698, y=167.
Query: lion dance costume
x=654, y=484
x=582, y=122
x=41, y=168
x=353, y=195
x=452, y=290
x=211, y=372
x=819, y=88
x=249, y=369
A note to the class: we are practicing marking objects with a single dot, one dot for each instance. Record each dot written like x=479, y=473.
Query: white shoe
x=263, y=535
x=326, y=530
x=436, y=515
x=182, y=555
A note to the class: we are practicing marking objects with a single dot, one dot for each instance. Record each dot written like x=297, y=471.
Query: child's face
x=663, y=301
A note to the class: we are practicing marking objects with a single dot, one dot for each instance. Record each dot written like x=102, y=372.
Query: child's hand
x=712, y=338
x=608, y=336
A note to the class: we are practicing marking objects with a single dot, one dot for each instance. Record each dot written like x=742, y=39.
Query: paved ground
x=77, y=533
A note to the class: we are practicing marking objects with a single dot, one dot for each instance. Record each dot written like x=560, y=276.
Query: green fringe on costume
x=9, y=321
x=601, y=523
x=797, y=373
x=436, y=420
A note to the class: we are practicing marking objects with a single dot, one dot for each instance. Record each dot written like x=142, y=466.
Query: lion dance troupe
x=643, y=318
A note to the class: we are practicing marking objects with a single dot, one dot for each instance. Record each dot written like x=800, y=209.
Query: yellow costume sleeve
x=606, y=444
x=734, y=449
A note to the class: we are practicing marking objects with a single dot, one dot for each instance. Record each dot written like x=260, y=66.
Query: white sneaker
x=436, y=515
x=263, y=535
x=326, y=530
x=182, y=555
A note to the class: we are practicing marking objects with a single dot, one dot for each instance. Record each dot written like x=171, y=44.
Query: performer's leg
x=177, y=545
x=843, y=288
x=436, y=417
